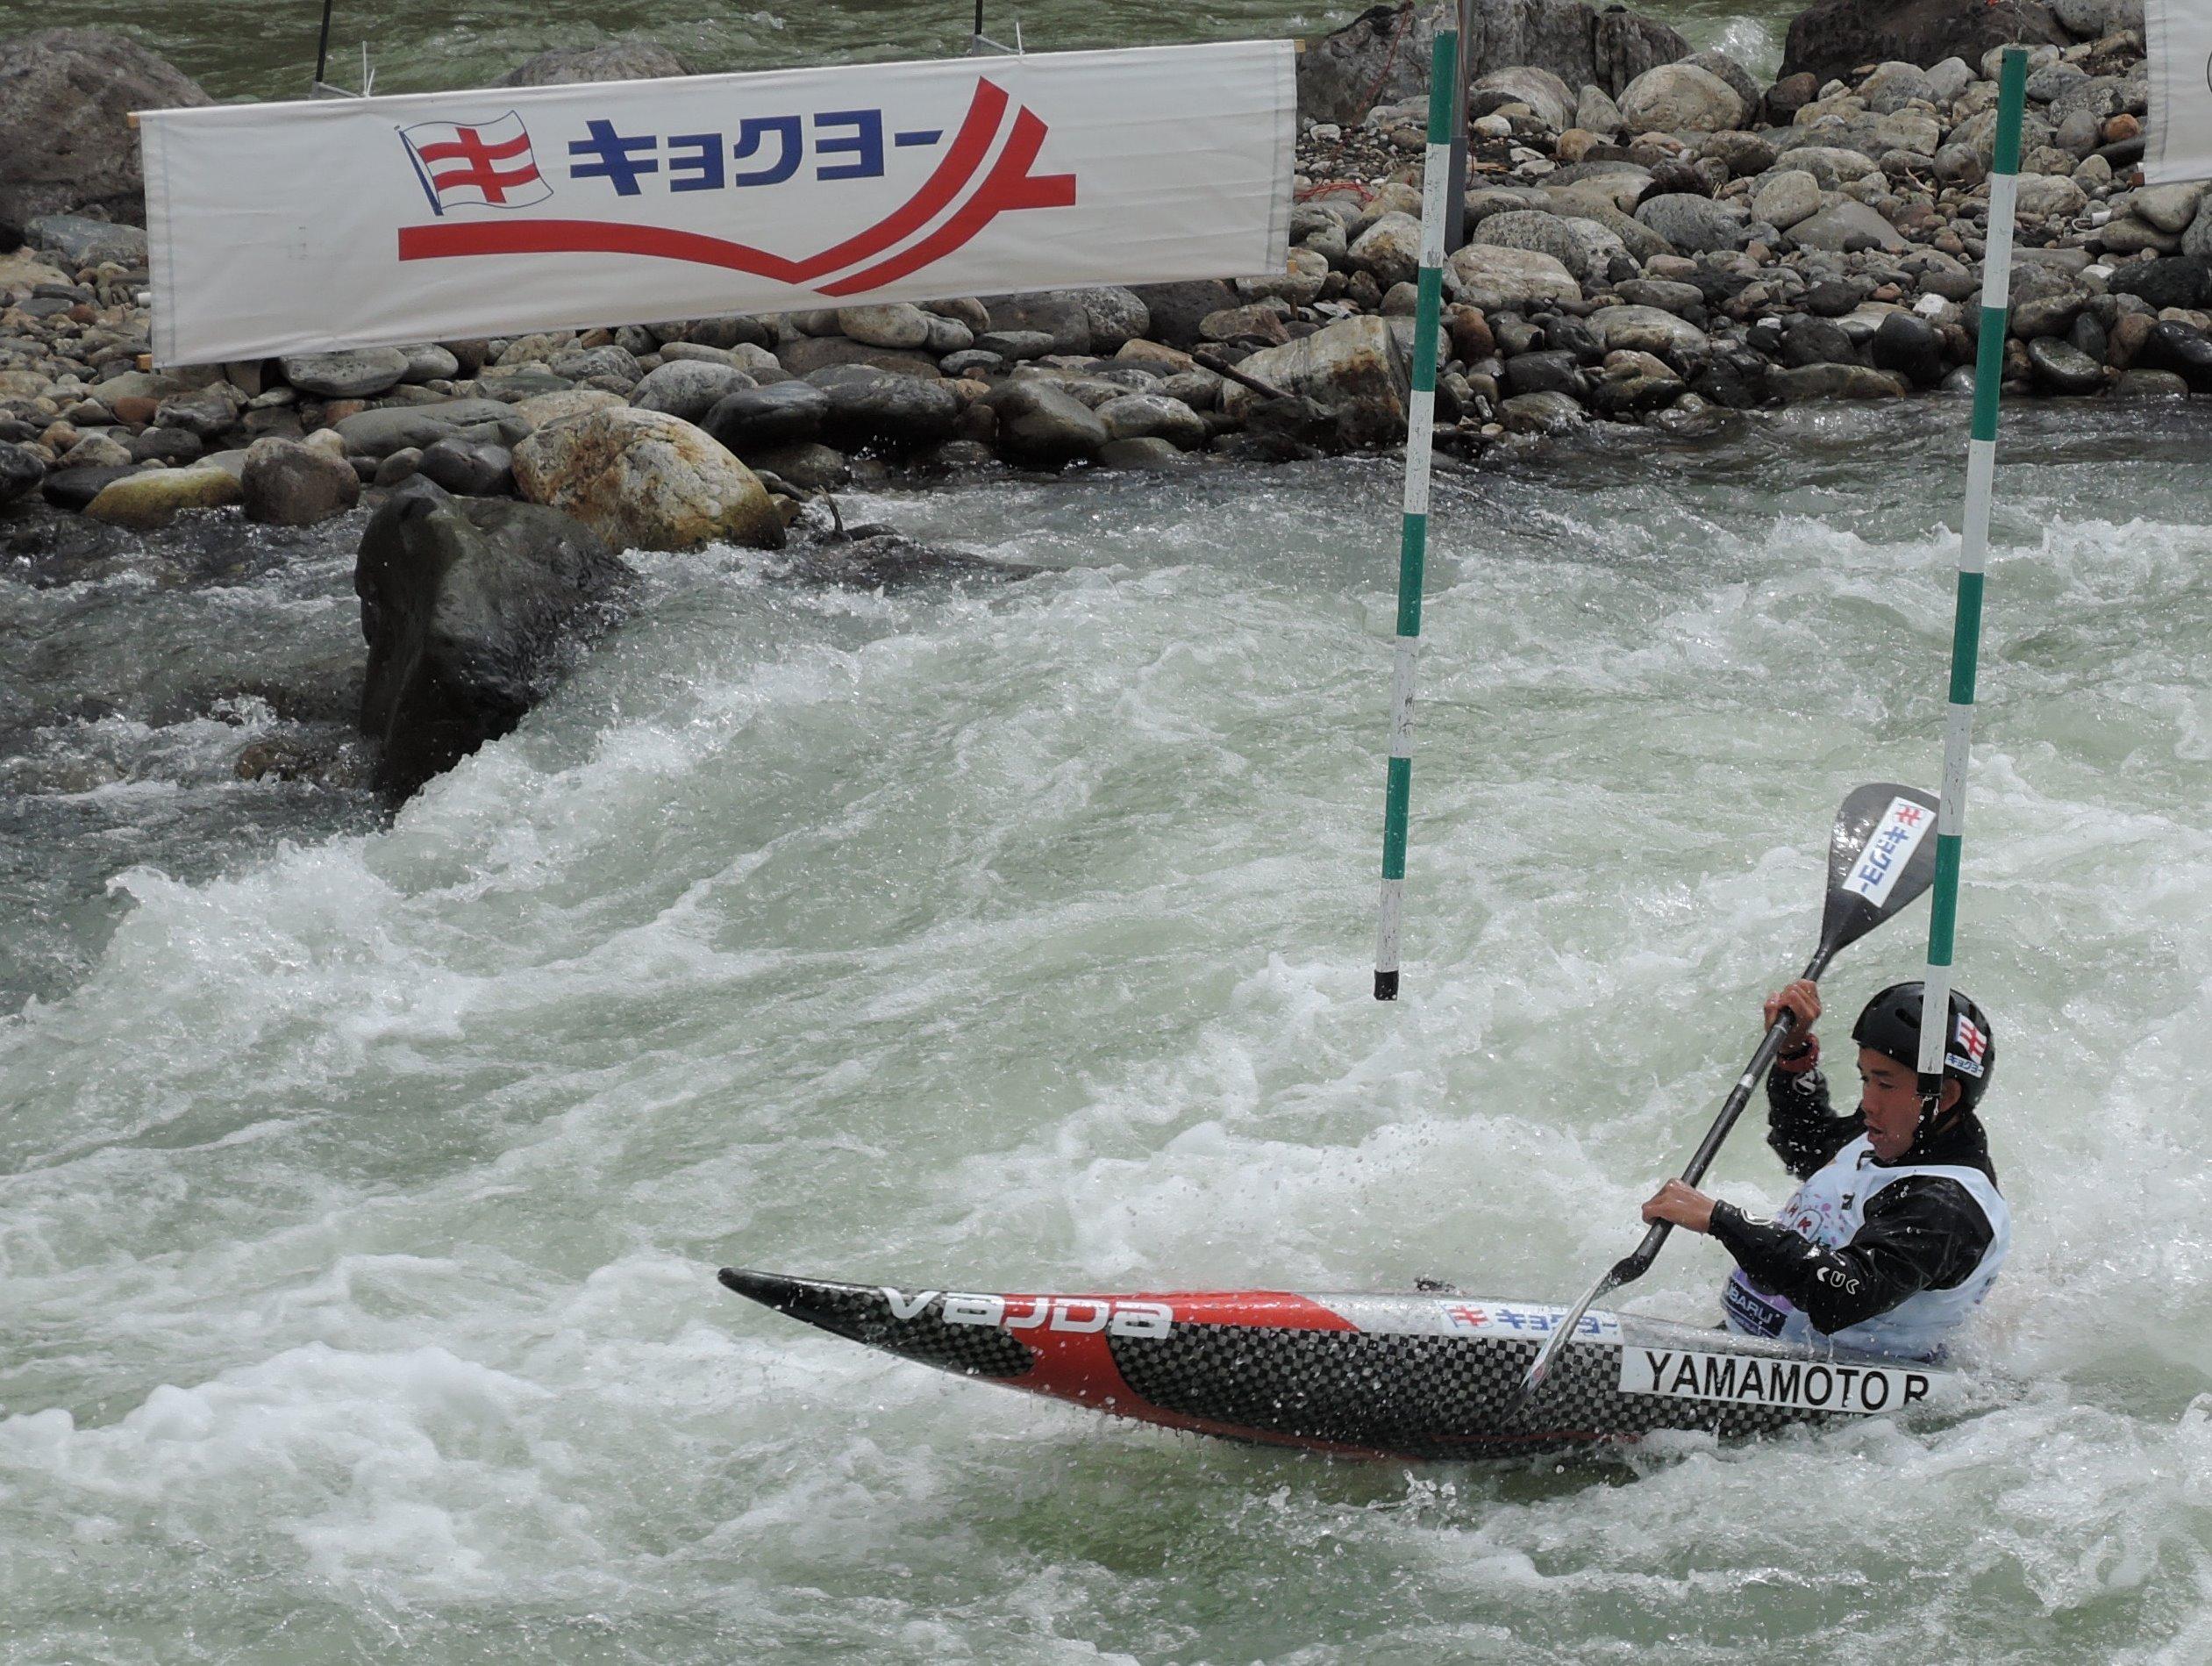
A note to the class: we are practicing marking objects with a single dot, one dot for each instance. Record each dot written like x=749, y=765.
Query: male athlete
x=1898, y=1230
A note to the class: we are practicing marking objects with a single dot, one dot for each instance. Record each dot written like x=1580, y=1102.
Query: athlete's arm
x=1801, y=1128
x=1922, y=1233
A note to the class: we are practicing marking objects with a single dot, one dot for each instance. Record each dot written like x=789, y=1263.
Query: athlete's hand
x=1802, y=999
x=1683, y=1204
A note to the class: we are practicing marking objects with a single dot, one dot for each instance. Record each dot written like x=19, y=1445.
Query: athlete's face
x=1889, y=1096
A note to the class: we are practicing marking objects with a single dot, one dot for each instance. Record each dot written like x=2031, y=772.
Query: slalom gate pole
x=1436, y=192
x=1974, y=549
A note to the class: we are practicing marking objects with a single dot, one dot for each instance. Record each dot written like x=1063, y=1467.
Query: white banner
x=2179, y=34
x=297, y=227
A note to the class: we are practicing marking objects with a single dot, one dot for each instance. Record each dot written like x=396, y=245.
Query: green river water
x=266, y=48
x=362, y=1182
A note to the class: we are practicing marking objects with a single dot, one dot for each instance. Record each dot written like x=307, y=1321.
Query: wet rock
x=1543, y=412
x=1351, y=369
x=155, y=498
x=1499, y=279
x=469, y=467
x=874, y=558
x=1043, y=425
x=1643, y=329
x=2063, y=368
x=97, y=451
x=65, y=97
x=75, y=489
x=1143, y=454
x=1807, y=340
x=805, y=464
x=2175, y=346
x=687, y=388
x=1546, y=372
x=472, y=610
x=876, y=408
x=2149, y=384
x=1910, y=346
x=1153, y=416
x=2178, y=280
x=355, y=375
x=644, y=480
x=286, y=482
x=1833, y=382
x=21, y=469
x=750, y=419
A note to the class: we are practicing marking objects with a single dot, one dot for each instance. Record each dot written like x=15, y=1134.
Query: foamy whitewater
x=361, y=1186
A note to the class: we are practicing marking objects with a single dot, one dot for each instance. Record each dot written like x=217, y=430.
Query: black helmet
x=1891, y=1026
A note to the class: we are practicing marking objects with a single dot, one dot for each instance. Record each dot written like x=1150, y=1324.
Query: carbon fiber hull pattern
x=1411, y=1377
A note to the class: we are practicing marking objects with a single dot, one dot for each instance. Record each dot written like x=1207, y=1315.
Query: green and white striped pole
x=1974, y=549
x=1413, y=539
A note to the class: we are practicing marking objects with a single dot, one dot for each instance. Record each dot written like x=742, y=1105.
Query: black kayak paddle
x=1879, y=858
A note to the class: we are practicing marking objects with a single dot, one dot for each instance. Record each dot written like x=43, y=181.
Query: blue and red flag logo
x=478, y=165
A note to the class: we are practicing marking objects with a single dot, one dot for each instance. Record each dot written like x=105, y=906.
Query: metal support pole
x=1974, y=549
x=1455, y=207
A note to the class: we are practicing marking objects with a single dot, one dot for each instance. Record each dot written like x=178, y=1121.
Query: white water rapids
x=361, y=1195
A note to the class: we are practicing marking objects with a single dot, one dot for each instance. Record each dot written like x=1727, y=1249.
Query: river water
x=362, y=1180
x=266, y=48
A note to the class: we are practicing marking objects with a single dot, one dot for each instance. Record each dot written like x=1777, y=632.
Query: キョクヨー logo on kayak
x=475, y=176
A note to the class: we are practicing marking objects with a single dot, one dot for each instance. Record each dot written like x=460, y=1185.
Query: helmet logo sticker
x=1971, y=1044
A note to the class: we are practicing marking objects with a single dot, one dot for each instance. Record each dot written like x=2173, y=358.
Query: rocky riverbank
x=1686, y=242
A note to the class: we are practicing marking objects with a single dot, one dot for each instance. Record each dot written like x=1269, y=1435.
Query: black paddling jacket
x=1924, y=1232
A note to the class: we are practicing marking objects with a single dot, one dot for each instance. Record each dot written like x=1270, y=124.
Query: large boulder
x=1177, y=309
x=1585, y=247
x=1833, y=38
x=1041, y=423
x=882, y=411
x=1352, y=369
x=753, y=419
x=646, y=480
x=65, y=143
x=1498, y=279
x=147, y=500
x=1382, y=56
x=1680, y=99
x=614, y=60
x=473, y=612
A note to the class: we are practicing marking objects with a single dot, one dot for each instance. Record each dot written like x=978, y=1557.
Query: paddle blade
x=1880, y=857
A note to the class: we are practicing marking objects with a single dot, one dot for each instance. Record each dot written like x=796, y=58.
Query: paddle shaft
x=1633, y=1266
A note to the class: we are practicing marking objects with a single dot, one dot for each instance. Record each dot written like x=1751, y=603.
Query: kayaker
x=1897, y=1231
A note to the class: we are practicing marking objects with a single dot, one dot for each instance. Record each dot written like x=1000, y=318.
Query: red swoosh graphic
x=607, y=237
x=1008, y=185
